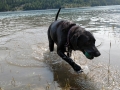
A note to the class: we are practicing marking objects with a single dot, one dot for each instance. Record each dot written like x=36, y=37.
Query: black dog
x=69, y=36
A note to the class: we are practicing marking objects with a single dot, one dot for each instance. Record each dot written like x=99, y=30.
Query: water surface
x=27, y=64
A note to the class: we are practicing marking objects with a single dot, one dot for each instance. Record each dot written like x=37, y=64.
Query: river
x=27, y=64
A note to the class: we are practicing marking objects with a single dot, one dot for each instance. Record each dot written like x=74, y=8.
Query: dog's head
x=85, y=42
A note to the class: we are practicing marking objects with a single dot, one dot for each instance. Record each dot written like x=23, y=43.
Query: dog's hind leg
x=51, y=45
x=51, y=42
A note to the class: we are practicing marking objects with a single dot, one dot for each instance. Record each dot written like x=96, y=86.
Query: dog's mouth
x=88, y=55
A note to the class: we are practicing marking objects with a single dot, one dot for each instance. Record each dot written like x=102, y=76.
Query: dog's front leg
x=69, y=60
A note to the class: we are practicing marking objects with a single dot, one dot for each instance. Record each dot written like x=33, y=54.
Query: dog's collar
x=68, y=36
x=68, y=45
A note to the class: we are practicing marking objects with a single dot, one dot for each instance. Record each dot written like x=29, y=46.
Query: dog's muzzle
x=91, y=53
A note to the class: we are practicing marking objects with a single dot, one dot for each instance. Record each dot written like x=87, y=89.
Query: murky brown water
x=27, y=64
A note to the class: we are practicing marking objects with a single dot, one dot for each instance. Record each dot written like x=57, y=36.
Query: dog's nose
x=97, y=54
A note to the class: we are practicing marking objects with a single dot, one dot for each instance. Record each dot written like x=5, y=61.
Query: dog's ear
x=77, y=41
x=81, y=40
x=73, y=41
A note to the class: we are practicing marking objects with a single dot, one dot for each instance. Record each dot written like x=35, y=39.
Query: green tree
x=6, y=5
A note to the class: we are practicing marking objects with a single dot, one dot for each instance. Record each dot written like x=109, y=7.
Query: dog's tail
x=57, y=14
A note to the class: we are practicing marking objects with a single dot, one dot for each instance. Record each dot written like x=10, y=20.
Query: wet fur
x=79, y=39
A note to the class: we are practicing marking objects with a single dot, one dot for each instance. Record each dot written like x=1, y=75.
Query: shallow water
x=27, y=64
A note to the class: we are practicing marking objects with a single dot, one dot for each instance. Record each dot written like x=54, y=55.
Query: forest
x=14, y=5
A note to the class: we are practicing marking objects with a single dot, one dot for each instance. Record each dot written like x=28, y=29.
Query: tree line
x=13, y=5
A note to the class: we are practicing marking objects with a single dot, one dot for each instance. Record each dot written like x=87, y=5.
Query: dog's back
x=59, y=27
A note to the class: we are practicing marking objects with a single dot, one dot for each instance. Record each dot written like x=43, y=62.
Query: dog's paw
x=77, y=68
x=80, y=71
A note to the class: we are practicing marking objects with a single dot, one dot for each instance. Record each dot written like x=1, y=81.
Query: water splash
x=95, y=76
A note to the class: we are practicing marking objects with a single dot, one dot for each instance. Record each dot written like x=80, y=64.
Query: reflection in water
x=64, y=74
x=99, y=77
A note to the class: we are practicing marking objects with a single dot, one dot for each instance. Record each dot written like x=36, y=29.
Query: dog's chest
x=67, y=48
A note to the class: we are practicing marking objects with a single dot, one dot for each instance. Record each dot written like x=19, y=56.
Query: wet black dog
x=69, y=36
